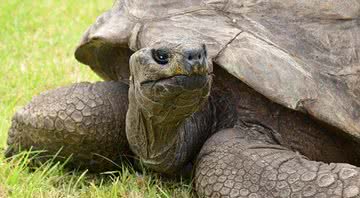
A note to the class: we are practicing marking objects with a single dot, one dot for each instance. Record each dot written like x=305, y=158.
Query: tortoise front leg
x=246, y=163
x=85, y=120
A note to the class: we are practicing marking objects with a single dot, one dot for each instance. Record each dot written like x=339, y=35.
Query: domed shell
x=302, y=54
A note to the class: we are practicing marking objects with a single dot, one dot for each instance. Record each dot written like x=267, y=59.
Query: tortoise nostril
x=195, y=59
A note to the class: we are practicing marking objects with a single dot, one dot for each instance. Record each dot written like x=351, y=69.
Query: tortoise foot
x=85, y=121
x=233, y=165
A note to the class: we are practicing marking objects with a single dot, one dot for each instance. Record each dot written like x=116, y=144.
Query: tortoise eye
x=161, y=56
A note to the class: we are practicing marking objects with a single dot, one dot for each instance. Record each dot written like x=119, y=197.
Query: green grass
x=37, y=41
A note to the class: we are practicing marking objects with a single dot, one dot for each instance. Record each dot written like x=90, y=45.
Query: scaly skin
x=83, y=120
x=241, y=162
x=178, y=113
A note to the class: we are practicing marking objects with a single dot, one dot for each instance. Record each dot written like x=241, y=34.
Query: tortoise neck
x=165, y=133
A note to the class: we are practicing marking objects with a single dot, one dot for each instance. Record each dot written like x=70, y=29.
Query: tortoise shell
x=302, y=54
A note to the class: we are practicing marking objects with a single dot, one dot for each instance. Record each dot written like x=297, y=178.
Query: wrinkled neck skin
x=166, y=125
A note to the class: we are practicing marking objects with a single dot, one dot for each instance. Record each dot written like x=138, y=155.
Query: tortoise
x=257, y=98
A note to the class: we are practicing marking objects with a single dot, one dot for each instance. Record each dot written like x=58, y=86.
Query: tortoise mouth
x=191, y=82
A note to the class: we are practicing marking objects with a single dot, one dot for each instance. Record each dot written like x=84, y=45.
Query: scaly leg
x=247, y=163
x=84, y=120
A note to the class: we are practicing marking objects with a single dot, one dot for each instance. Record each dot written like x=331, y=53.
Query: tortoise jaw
x=188, y=82
x=145, y=82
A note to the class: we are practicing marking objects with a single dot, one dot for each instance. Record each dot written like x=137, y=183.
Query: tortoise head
x=168, y=83
x=171, y=73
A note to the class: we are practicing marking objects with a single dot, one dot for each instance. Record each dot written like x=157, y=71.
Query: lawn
x=37, y=42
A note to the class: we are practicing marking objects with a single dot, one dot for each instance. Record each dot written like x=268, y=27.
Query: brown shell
x=302, y=54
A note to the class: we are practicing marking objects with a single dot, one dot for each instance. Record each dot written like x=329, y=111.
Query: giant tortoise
x=259, y=98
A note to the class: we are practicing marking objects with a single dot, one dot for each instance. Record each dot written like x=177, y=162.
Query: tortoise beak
x=194, y=62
